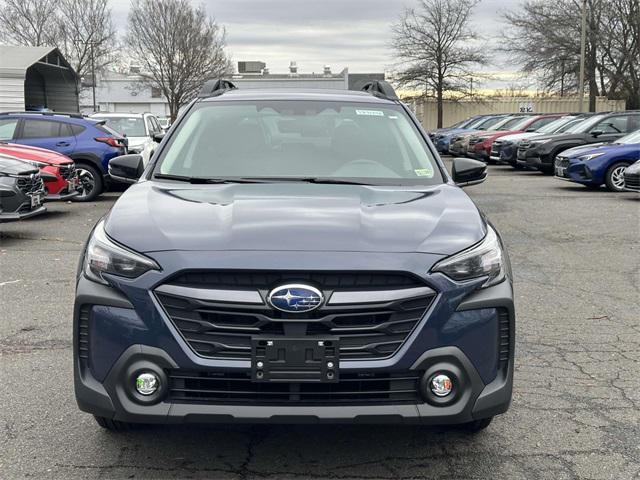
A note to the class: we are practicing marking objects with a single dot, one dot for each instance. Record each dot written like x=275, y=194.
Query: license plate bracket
x=295, y=359
x=36, y=200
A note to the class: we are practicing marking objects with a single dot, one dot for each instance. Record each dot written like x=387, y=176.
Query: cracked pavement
x=576, y=406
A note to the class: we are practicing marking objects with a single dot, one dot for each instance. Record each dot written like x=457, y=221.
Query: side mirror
x=157, y=137
x=126, y=168
x=466, y=171
x=596, y=133
x=530, y=129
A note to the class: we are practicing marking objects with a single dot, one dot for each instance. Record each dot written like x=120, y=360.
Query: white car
x=139, y=128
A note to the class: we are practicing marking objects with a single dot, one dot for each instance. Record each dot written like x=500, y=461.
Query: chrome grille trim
x=213, y=295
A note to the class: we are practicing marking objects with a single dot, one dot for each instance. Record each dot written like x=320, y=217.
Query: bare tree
x=436, y=46
x=28, y=22
x=620, y=52
x=178, y=47
x=86, y=34
x=544, y=36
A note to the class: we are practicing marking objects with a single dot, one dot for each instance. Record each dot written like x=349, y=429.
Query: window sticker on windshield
x=424, y=172
x=370, y=113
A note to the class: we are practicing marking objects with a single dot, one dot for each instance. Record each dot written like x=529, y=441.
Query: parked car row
x=49, y=156
x=590, y=149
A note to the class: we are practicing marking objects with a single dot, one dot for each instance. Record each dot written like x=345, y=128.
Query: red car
x=480, y=144
x=57, y=170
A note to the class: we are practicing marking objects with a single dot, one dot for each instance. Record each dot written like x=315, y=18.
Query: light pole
x=583, y=41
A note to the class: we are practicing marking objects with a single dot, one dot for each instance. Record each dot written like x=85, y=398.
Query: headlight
x=105, y=256
x=485, y=259
x=37, y=164
x=584, y=158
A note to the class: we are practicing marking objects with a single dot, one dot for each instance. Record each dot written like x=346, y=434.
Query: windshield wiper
x=322, y=180
x=204, y=180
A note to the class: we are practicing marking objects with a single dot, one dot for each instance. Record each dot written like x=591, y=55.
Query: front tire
x=113, y=425
x=614, y=177
x=477, y=425
x=91, y=182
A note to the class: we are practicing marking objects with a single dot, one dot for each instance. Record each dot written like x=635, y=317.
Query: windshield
x=519, y=125
x=129, y=126
x=505, y=124
x=552, y=127
x=585, y=125
x=465, y=123
x=485, y=123
x=633, y=137
x=289, y=140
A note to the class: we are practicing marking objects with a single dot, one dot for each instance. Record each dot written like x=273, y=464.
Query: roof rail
x=29, y=112
x=213, y=88
x=380, y=88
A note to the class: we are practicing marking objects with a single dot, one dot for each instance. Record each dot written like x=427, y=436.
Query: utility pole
x=583, y=41
x=471, y=86
x=93, y=76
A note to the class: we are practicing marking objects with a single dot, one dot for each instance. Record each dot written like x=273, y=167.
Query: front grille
x=562, y=162
x=237, y=388
x=67, y=171
x=30, y=184
x=495, y=148
x=504, y=337
x=632, y=180
x=365, y=331
x=83, y=334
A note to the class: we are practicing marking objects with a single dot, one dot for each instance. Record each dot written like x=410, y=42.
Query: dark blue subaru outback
x=294, y=256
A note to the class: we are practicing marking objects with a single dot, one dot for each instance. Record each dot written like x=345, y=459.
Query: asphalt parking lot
x=576, y=407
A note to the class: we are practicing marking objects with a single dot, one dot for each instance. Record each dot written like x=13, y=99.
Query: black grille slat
x=504, y=337
x=83, y=334
x=230, y=388
x=632, y=180
x=267, y=280
x=67, y=171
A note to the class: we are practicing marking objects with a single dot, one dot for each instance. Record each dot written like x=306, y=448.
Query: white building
x=116, y=92
x=123, y=93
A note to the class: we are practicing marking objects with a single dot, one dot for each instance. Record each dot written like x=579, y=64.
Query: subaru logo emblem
x=295, y=298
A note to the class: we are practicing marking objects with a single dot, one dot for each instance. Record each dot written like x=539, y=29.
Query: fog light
x=146, y=383
x=441, y=385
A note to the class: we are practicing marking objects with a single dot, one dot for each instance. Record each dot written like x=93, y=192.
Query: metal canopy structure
x=36, y=78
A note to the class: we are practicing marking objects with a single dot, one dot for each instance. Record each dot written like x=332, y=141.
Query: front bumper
x=128, y=331
x=16, y=216
x=60, y=197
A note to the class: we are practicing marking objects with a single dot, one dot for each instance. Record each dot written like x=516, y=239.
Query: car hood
x=559, y=137
x=24, y=152
x=516, y=137
x=13, y=166
x=632, y=150
x=582, y=149
x=157, y=216
x=496, y=134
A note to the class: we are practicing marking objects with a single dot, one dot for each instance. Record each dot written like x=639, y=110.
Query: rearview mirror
x=596, y=133
x=157, y=137
x=466, y=171
x=126, y=168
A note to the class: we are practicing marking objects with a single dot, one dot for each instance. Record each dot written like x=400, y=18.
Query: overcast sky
x=314, y=33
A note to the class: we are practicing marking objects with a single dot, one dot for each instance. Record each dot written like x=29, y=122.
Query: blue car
x=90, y=143
x=602, y=164
x=336, y=275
